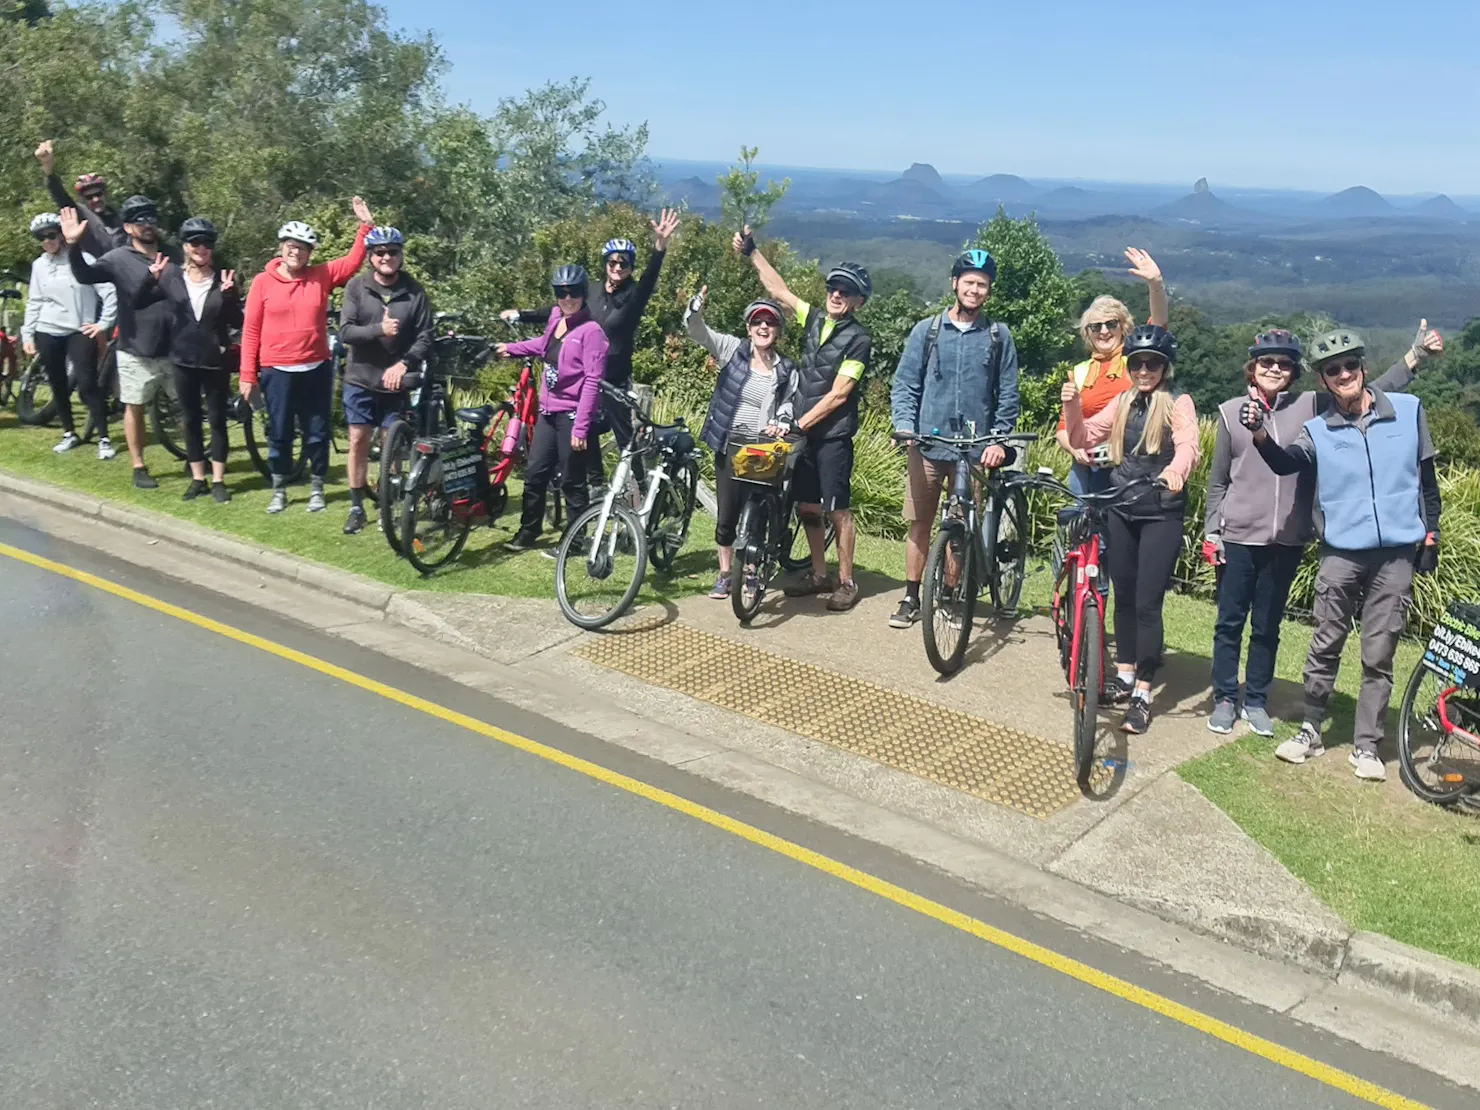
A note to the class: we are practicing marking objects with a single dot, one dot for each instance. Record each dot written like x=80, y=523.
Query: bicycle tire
x=1086, y=695
x=424, y=501
x=747, y=571
x=1426, y=715
x=1007, y=550
x=34, y=383
x=946, y=638
x=165, y=420
x=255, y=438
x=395, y=464
x=672, y=513
x=570, y=558
x=797, y=555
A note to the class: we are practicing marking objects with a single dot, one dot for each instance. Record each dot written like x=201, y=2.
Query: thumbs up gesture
x=1427, y=342
x=388, y=325
x=1251, y=415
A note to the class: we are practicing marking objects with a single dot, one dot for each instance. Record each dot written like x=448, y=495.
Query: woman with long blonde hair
x=1150, y=431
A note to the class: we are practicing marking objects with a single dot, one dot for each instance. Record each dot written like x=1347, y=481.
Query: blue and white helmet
x=619, y=246
x=385, y=237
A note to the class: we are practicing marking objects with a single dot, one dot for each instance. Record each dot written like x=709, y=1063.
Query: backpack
x=994, y=353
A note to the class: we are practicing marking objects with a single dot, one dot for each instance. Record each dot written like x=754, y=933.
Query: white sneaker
x=1368, y=766
x=105, y=450
x=69, y=441
x=1305, y=744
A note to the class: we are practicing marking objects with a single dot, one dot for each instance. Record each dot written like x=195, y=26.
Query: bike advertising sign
x=460, y=473
x=1454, y=648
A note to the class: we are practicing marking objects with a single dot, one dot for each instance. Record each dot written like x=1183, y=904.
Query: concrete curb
x=1367, y=962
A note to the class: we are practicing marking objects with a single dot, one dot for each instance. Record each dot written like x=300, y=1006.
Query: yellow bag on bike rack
x=760, y=462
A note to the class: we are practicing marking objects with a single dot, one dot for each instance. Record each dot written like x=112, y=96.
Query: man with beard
x=104, y=225
x=144, y=315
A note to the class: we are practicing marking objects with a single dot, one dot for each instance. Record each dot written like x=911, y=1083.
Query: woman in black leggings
x=206, y=308
x=1152, y=433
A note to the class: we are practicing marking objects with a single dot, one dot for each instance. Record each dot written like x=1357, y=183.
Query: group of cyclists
x=1351, y=465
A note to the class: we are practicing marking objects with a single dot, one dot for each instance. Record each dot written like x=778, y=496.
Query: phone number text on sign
x=1454, y=651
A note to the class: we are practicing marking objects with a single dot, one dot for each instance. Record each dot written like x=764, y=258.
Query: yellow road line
x=1128, y=992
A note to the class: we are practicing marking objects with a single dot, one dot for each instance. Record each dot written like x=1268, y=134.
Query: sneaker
x=279, y=500
x=721, y=588
x=196, y=488
x=1222, y=718
x=1137, y=717
x=142, y=480
x=316, y=502
x=69, y=441
x=1259, y=720
x=807, y=585
x=355, y=523
x=843, y=598
x=1368, y=767
x=907, y=614
x=1118, y=692
x=522, y=541
x=220, y=492
x=1305, y=744
x=105, y=450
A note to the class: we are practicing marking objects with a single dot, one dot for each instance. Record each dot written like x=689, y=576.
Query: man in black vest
x=835, y=357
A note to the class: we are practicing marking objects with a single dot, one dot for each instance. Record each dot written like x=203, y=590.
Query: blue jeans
x=1254, y=587
x=302, y=399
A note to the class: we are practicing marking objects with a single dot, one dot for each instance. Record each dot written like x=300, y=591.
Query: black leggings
x=56, y=352
x=549, y=455
x=190, y=382
x=1142, y=555
x=729, y=500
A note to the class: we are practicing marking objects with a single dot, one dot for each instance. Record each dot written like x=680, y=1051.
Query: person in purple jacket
x=573, y=349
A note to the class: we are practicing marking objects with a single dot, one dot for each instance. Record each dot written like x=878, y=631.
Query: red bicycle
x=10, y=363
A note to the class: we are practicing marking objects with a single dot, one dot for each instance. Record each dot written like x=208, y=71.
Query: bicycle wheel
x=431, y=534
x=395, y=464
x=796, y=555
x=33, y=401
x=594, y=591
x=748, y=572
x=668, y=528
x=1426, y=753
x=255, y=436
x=164, y=417
x=1007, y=549
x=946, y=610
x=1088, y=679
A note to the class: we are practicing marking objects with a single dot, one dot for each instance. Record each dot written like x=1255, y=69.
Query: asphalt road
x=227, y=880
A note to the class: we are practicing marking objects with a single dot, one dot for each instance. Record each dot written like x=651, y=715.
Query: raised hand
x=72, y=227
x=1251, y=415
x=45, y=156
x=743, y=242
x=664, y=227
x=362, y=210
x=1428, y=341
x=696, y=302
x=1070, y=392
x=158, y=266
x=228, y=280
x=1143, y=265
x=388, y=324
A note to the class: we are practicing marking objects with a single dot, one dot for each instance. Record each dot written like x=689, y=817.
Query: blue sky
x=1306, y=94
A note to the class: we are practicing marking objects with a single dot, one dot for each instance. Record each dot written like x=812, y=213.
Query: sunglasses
x=842, y=289
x=1268, y=362
x=1104, y=326
x=568, y=292
x=201, y=243
x=618, y=262
x=1147, y=365
x=386, y=252
x=1345, y=366
x=766, y=321
x=48, y=236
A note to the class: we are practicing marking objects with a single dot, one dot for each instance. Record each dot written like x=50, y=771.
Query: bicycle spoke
x=602, y=564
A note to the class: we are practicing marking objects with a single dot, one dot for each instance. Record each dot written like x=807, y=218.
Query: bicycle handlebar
x=630, y=400
x=1092, y=500
x=965, y=443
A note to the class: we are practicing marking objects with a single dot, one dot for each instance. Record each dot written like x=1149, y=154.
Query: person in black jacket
x=206, y=307
x=386, y=325
x=104, y=224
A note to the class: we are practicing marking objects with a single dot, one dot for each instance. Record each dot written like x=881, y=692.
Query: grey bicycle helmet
x=198, y=229
x=46, y=221
x=570, y=276
x=852, y=274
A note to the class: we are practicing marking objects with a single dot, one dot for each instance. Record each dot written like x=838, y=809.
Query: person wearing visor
x=1378, y=495
x=1258, y=523
x=206, y=309
x=145, y=317
x=386, y=324
x=752, y=400
x=956, y=365
x=104, y=224
x=1152, y=432
x=285, y=351
x=836, y=350
x=573, y=350
x=63, y=321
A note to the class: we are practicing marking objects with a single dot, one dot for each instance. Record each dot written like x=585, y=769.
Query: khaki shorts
x=139, y=379
x=923, y=482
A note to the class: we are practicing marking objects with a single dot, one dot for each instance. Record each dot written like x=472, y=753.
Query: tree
x=1031, y=294
x=742, y=201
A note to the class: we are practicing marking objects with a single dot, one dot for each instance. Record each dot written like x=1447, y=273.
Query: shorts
x=824, y=475
x=140, y=379
x=924, y=479
x=364, y=406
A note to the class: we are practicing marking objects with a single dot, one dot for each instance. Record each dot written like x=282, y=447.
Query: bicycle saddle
x=678, y=439
x=478, y=417
x=9, y=295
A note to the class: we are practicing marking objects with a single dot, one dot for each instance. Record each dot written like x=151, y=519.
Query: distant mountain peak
x=1201, y=187
x=1441, y=208
x=1357, y=201
x=924, y=174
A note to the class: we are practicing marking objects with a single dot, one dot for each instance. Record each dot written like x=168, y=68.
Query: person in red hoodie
x=285, y=350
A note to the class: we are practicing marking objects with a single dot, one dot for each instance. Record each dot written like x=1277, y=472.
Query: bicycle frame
x=642, y=445
x=1083, y=563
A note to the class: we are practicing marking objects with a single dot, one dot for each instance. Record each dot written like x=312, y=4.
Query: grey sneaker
x=69, y=441
x=843, y=598
x=1367, y=766
x=279, y=500
x=808, y=584
x=1222, y=718
x=721, y=588
x=105, y=450
x=1259, y=720
x=316, y=502
x=1305, y=744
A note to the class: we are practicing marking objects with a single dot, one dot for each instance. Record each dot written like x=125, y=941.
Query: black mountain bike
x=769, y=537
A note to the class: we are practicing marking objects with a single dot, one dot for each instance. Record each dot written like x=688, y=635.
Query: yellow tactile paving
x=990, y=761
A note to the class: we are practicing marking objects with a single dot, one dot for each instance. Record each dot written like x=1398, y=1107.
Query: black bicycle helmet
x=198, y=228
x=1276, y=341
x=851, y=273
x=571, y=275
x=1154, y=339
x=139, y=210
x=974, y=260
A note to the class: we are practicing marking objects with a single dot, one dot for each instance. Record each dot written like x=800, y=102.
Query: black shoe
x=220, y=492
x=142, y=479
x=196, y=487
x=355, y=524
x=522, y=541
x=1137, y=717
x=1116, y=692
x=907, y=614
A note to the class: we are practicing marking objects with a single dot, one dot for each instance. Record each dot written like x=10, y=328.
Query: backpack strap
x=932, y=337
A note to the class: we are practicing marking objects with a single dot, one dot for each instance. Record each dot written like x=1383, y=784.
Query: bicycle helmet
x=974, y=260
x=619, y=246
x=198, y=229
x=1334, y=344
x=570, y=275
x=139, y=210
x=47, y=221
x=755, y=308
x=1153, y=339
x=851, y=273
x=384, y=237
x=300, y=231
x=91, y=183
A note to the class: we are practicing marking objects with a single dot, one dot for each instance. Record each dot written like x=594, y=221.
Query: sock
x=912, y=592
x=1142, y=695
x=279, y=481
x=1126, y=678
x=357, y=497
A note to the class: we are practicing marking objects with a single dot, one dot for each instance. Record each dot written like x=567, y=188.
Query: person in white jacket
x=64, y=323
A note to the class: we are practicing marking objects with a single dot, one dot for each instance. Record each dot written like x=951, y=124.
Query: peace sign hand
x=1143, y=265
x=158, y=266
x=228, y=280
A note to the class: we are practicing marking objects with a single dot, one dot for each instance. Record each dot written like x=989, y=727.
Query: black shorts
x=825, y=475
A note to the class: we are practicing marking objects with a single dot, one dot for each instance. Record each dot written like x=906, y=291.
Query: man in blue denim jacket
x=970, y=371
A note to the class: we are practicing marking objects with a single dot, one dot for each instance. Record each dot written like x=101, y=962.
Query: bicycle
x=10, y=370
x=970, y=545
x=1439, y=724
x=35, y=406
x=612, y=541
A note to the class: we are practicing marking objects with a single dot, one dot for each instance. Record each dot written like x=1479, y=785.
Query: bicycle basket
x=761, y=462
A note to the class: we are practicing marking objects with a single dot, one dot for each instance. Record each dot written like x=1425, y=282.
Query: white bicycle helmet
x=44, y=222
x=297, y=229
